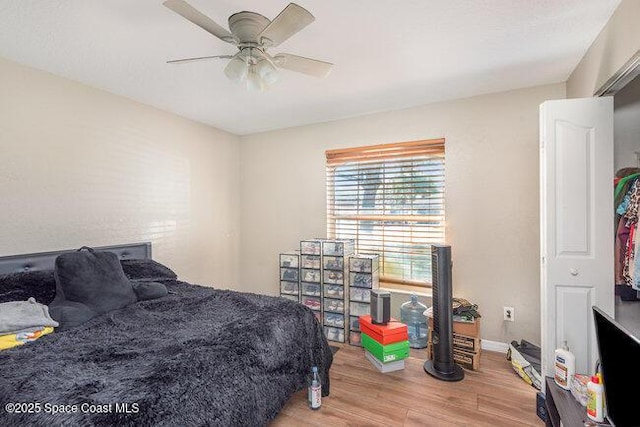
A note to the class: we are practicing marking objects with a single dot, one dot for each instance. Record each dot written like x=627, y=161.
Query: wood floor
x=360, y=395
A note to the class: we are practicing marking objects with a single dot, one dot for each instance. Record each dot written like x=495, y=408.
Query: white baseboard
x=498, y=346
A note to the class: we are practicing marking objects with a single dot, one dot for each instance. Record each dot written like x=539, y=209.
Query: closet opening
x=626, y=235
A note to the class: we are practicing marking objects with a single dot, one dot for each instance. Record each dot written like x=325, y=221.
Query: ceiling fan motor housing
x=247, y=26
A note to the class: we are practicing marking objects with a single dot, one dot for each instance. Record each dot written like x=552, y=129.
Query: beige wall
x=79, y=166
x=618, y=41
x=491, y=196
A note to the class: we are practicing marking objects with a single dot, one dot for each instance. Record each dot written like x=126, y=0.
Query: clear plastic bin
x=354, y=323
x=310, y=261
x=290, y=274
x=360, y=294
x=289, y=260
x=312, y=289
x=359, y=308
x=361, y=280
x=333, y=263
x=334, y=334
x=289, y=288
x=334, y=291
x=355, y=338
x=334, y=277
x=334, y=305
x=334, y=319
x=309, y=275
x=313, y=303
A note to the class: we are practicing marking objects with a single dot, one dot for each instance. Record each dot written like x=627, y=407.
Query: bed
x=199, y=356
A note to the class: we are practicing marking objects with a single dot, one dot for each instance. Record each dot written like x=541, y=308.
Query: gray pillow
x=149, y=290
x=88, y=283
x=146, y=270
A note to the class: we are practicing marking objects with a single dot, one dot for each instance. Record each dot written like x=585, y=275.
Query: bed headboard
x=45, y=260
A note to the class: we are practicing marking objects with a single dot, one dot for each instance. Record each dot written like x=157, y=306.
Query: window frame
x=393, y=155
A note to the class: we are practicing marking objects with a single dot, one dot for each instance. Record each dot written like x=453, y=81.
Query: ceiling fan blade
x=291, y=20
x=300, y=64
x=191, y=14
x=198, y=58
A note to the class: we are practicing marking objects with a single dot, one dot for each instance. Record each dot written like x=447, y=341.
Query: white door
x=576, y=220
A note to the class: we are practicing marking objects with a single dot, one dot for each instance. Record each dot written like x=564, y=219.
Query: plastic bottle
x=604, y=397
x=595, y=403
x=412, y=315
x=565, y=366
x=315, y=390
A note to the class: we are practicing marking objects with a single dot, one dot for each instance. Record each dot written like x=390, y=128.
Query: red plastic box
x=390, y=333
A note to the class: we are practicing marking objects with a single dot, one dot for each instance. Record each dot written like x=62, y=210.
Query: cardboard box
x=385, y=353
x=465, y=359
x=390, y=333
x=463, y=328
x=461, y=342
x=466, y=343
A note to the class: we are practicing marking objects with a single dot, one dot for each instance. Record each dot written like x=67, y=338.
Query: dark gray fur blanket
x=199, y=357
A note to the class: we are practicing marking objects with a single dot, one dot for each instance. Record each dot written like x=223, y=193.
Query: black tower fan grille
x=442, y=366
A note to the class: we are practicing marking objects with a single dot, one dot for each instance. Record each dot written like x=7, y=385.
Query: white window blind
x=390, y=199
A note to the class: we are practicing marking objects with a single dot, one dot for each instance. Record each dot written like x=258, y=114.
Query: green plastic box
x=386, y=353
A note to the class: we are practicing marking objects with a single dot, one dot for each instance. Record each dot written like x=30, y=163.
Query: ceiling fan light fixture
x=254, y=81
x=267, y=72
x=253, y=68
x=237, y=69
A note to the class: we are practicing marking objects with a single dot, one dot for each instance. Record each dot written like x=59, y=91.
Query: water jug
x=412, y=315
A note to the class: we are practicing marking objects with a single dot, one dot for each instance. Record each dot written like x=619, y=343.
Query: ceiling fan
x=253, y=34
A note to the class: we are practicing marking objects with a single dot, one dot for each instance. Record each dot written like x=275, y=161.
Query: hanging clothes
x=631, y=217
x=621, y=182
x=629, y=257
x=636, y=271
x=627, y=210
x=622, y=236
x=631, y=212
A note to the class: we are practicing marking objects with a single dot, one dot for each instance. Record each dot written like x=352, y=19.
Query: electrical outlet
x=509, y=314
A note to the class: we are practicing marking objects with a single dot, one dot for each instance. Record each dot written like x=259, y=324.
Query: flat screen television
x=619, y=353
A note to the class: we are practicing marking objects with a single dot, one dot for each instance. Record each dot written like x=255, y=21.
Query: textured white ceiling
x=387, y=54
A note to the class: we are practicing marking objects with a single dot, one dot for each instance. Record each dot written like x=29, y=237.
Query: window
x=390, y=199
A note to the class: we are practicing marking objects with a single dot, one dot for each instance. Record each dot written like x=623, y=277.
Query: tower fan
x=442, y=366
